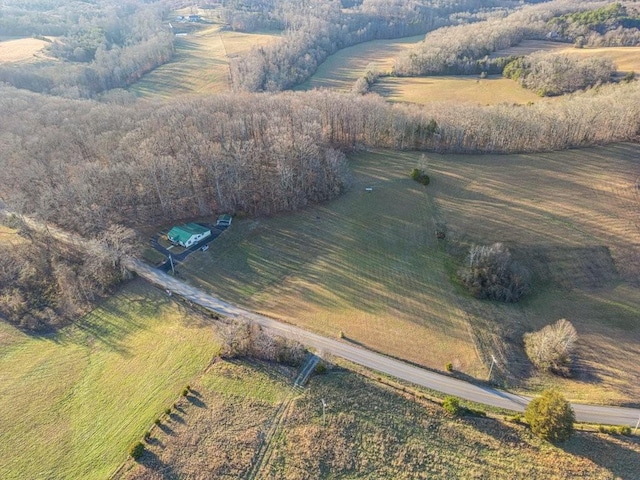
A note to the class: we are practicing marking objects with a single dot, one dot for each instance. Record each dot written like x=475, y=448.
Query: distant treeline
x=466, y=49
x=317, y=28
x=108, y=45
x=85, y=165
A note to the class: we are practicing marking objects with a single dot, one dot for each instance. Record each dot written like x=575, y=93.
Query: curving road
x=376, y=361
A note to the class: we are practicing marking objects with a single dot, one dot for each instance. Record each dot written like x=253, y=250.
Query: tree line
x=85, y=165
x=110, y=45
x=317, y=28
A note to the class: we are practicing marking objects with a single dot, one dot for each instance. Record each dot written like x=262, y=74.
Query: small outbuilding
x=224, y=220
x=188, y=234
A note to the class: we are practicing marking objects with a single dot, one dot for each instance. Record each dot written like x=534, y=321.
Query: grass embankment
x=71, y=403
x=22, y=50
x=368, y=432
x=369, y=265
x=343, y=68
x=200, y=63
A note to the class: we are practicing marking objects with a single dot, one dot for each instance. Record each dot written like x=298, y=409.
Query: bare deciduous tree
x=551, y=347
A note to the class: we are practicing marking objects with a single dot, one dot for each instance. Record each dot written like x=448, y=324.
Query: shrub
x=157, y=421
x=340, y=334
x=321, y=368
x=491, y=273
x=136, y=450
x=167, y=411
x=517, y=418
x=452, y=406
x=551, y=348
x=185, y=392
x=449, y=367
x=550, y=416
x=624, y=430
x=420, y=176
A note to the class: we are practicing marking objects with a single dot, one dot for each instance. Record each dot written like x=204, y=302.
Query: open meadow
x=343, y=68
x=200, y=63
x=72, y=402
x=469, y=89
x=22, y=49
x=244, y=420
x=369, y=265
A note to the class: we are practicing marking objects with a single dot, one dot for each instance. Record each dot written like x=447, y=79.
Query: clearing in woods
x=369, y=431
x=340, y=70
x=22, y=50
x=368, y=264
x=72, y=402
x=200, y=63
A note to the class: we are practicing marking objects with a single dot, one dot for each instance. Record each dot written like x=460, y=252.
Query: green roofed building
x=188, y=234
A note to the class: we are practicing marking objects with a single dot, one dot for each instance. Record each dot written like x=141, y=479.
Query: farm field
x=369, y=265
x=470, y=89
x=626, y=58
x=344, y=67
x=72, y=402
x=369, y=431
x=200, y=63
x=22, y=49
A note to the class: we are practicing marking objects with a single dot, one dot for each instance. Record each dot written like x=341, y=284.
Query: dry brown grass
x=370, y=432
x=22, y=50
x=9, y=236
x=626, y=58
x=200, y=64
x=572, y=217
x=343, y=68
x=368, y=264
x=459, y=89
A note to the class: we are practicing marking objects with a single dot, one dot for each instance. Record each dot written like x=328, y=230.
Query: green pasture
x=72, y=402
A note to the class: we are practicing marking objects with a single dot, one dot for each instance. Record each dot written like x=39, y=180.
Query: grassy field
x=471, y=89
x=369, y=265
x=241, y=409
x=71, y=403
x=200, y=64
x=21, y=49
x=344, y=67
x=626, y=58
x=9, y=236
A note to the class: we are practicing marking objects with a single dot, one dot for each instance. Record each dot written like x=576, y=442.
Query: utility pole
x=637, y=425
x=173, y=271
x=493, y=362
x=324, y=406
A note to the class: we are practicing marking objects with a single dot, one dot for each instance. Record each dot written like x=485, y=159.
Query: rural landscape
x=271, y=239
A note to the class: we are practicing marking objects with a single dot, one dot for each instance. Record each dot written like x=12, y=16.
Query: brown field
x=22, y=50
x=572, y=217
x=9, y=236
x=368, y=264
x=200, y=64
x=459, y=89
x=626, y=58
x=244, y=421
x=344, y=67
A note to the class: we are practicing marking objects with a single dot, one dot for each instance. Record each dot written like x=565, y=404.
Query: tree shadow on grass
x=195, y=401
x=151, y=462
x=167, y=430
x=614, y=453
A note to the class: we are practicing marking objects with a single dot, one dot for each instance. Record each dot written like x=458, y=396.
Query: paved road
x=376, y=361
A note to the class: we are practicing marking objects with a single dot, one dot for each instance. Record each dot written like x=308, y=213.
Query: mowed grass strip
x=200, y=63
x=71, y=403
x=367, y=264
x=341, y=70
